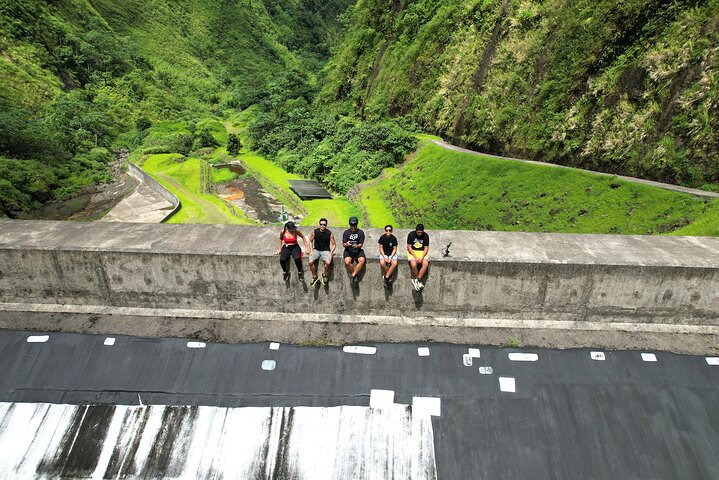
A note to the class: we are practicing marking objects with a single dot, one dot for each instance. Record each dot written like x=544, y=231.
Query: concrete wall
x=486, y=275
x=160, y=189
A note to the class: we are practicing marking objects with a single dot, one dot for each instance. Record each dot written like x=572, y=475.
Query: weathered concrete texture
x=150, y=203
x=597, y=278
x=107, y=441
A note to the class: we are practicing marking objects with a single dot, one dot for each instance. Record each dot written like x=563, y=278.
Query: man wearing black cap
x=417, y=254
x=352, y=240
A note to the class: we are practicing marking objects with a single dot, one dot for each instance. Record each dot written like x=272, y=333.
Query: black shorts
x=354, y=256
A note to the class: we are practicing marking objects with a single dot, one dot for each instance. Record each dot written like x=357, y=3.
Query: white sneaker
x=416, y=284
x=420, y=284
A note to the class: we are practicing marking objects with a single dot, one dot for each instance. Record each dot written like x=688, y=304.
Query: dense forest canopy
x=336, y=88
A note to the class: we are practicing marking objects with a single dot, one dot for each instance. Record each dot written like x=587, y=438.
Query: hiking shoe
x=386, y=282
x=420, y=284
x=315, y=280
x=301, y=276
x=286, y=276
x=324, y=280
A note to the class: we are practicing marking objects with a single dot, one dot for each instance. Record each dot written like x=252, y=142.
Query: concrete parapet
x=487, y=275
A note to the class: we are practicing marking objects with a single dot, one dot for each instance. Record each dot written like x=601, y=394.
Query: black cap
x=353, y=221
x=290, y=225
x=419, y=227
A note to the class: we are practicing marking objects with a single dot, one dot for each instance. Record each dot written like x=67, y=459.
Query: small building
x=309, y=189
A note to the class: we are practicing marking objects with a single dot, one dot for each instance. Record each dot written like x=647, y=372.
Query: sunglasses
x=387, y=229
x=323, y=224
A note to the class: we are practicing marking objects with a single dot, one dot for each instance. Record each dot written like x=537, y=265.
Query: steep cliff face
x=627, y=87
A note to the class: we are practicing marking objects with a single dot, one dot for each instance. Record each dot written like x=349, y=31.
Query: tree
x=233, y=144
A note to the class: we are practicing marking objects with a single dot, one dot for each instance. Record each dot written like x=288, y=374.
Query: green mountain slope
x=78, y=77
x=627, y=87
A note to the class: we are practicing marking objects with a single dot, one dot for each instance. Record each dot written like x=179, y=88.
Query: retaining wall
x=594, y=278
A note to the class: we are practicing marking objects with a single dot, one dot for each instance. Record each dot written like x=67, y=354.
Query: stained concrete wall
x=156, y=186
x=486, y=275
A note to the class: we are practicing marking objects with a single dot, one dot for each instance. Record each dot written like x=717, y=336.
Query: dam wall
x=222, y=270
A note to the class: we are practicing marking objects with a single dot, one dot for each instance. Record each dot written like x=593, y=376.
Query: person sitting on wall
x=288, y=247
x=352, y=240
x=387, y=255
x=322, y=244
x=417, y=254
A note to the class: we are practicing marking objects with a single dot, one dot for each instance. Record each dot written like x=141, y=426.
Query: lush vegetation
x=627, y=87
x=80, y=77
x=493, y=194
x=337, y=149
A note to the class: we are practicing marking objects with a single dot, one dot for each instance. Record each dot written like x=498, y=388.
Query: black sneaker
x=315, y=280
x=386, y=282
x=286, y=276
x=301, y=276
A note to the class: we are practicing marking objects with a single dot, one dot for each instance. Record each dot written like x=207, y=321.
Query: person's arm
x=333, y=243
x=345, y=240
x=304, y=239
x=312, y=241
x=359, y=244
x=381, y=250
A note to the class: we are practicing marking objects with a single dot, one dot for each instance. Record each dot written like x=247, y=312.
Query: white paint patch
x=649, y=357
x=359, y=349
x=507, y=384
x=467, y=360
x=109, y=341
x=268, y=364
x=523, y=357
x=423, y=351
x=196, y=344
x=38, y=338
x=213, y=442
x=597, y=356
x=474, y=352
x=381, y=398
x=712, y=360
x=274, y=346
x=486, y=370
x=427, y=406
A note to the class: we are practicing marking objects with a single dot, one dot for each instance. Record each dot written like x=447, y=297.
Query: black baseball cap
x=353, y=221
x=290, y=225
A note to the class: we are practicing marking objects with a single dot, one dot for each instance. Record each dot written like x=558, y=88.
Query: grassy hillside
x=445, y=189
x=627, y=87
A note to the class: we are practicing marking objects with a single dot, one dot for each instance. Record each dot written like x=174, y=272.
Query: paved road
x=546, y=415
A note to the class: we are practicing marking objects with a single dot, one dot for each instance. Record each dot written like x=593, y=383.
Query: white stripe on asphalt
x=196, y=344
x=427, y=406
x=38, y=338
x=507, y=384
x=523, y=357
x=109, y=341
x=268, y=364
x=597, y=356
x=649, y=357
x=381, y=398
x=713, y=360
x=358, y=349
x=274, y=346
x=474, y=352
x=423, y=352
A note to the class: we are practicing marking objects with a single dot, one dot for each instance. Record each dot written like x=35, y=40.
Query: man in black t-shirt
x=322, y=244
x=387, y=254
x=352, y=240
x=417, y=254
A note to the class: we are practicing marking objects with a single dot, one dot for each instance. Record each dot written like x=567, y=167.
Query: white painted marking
x=467, y=360
x=381, y=398
x=268, y=364
x=359, y=349
x=523, y=357
x=196, y=344
x=427, y=406
x=474, y=352
x=274, y=346
x=423, y=351
x=713, y=360
x=507, y=384
x=109, y=341
x=486, y=370
x=38, y=338
x=649, y=357
x=597, y=356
